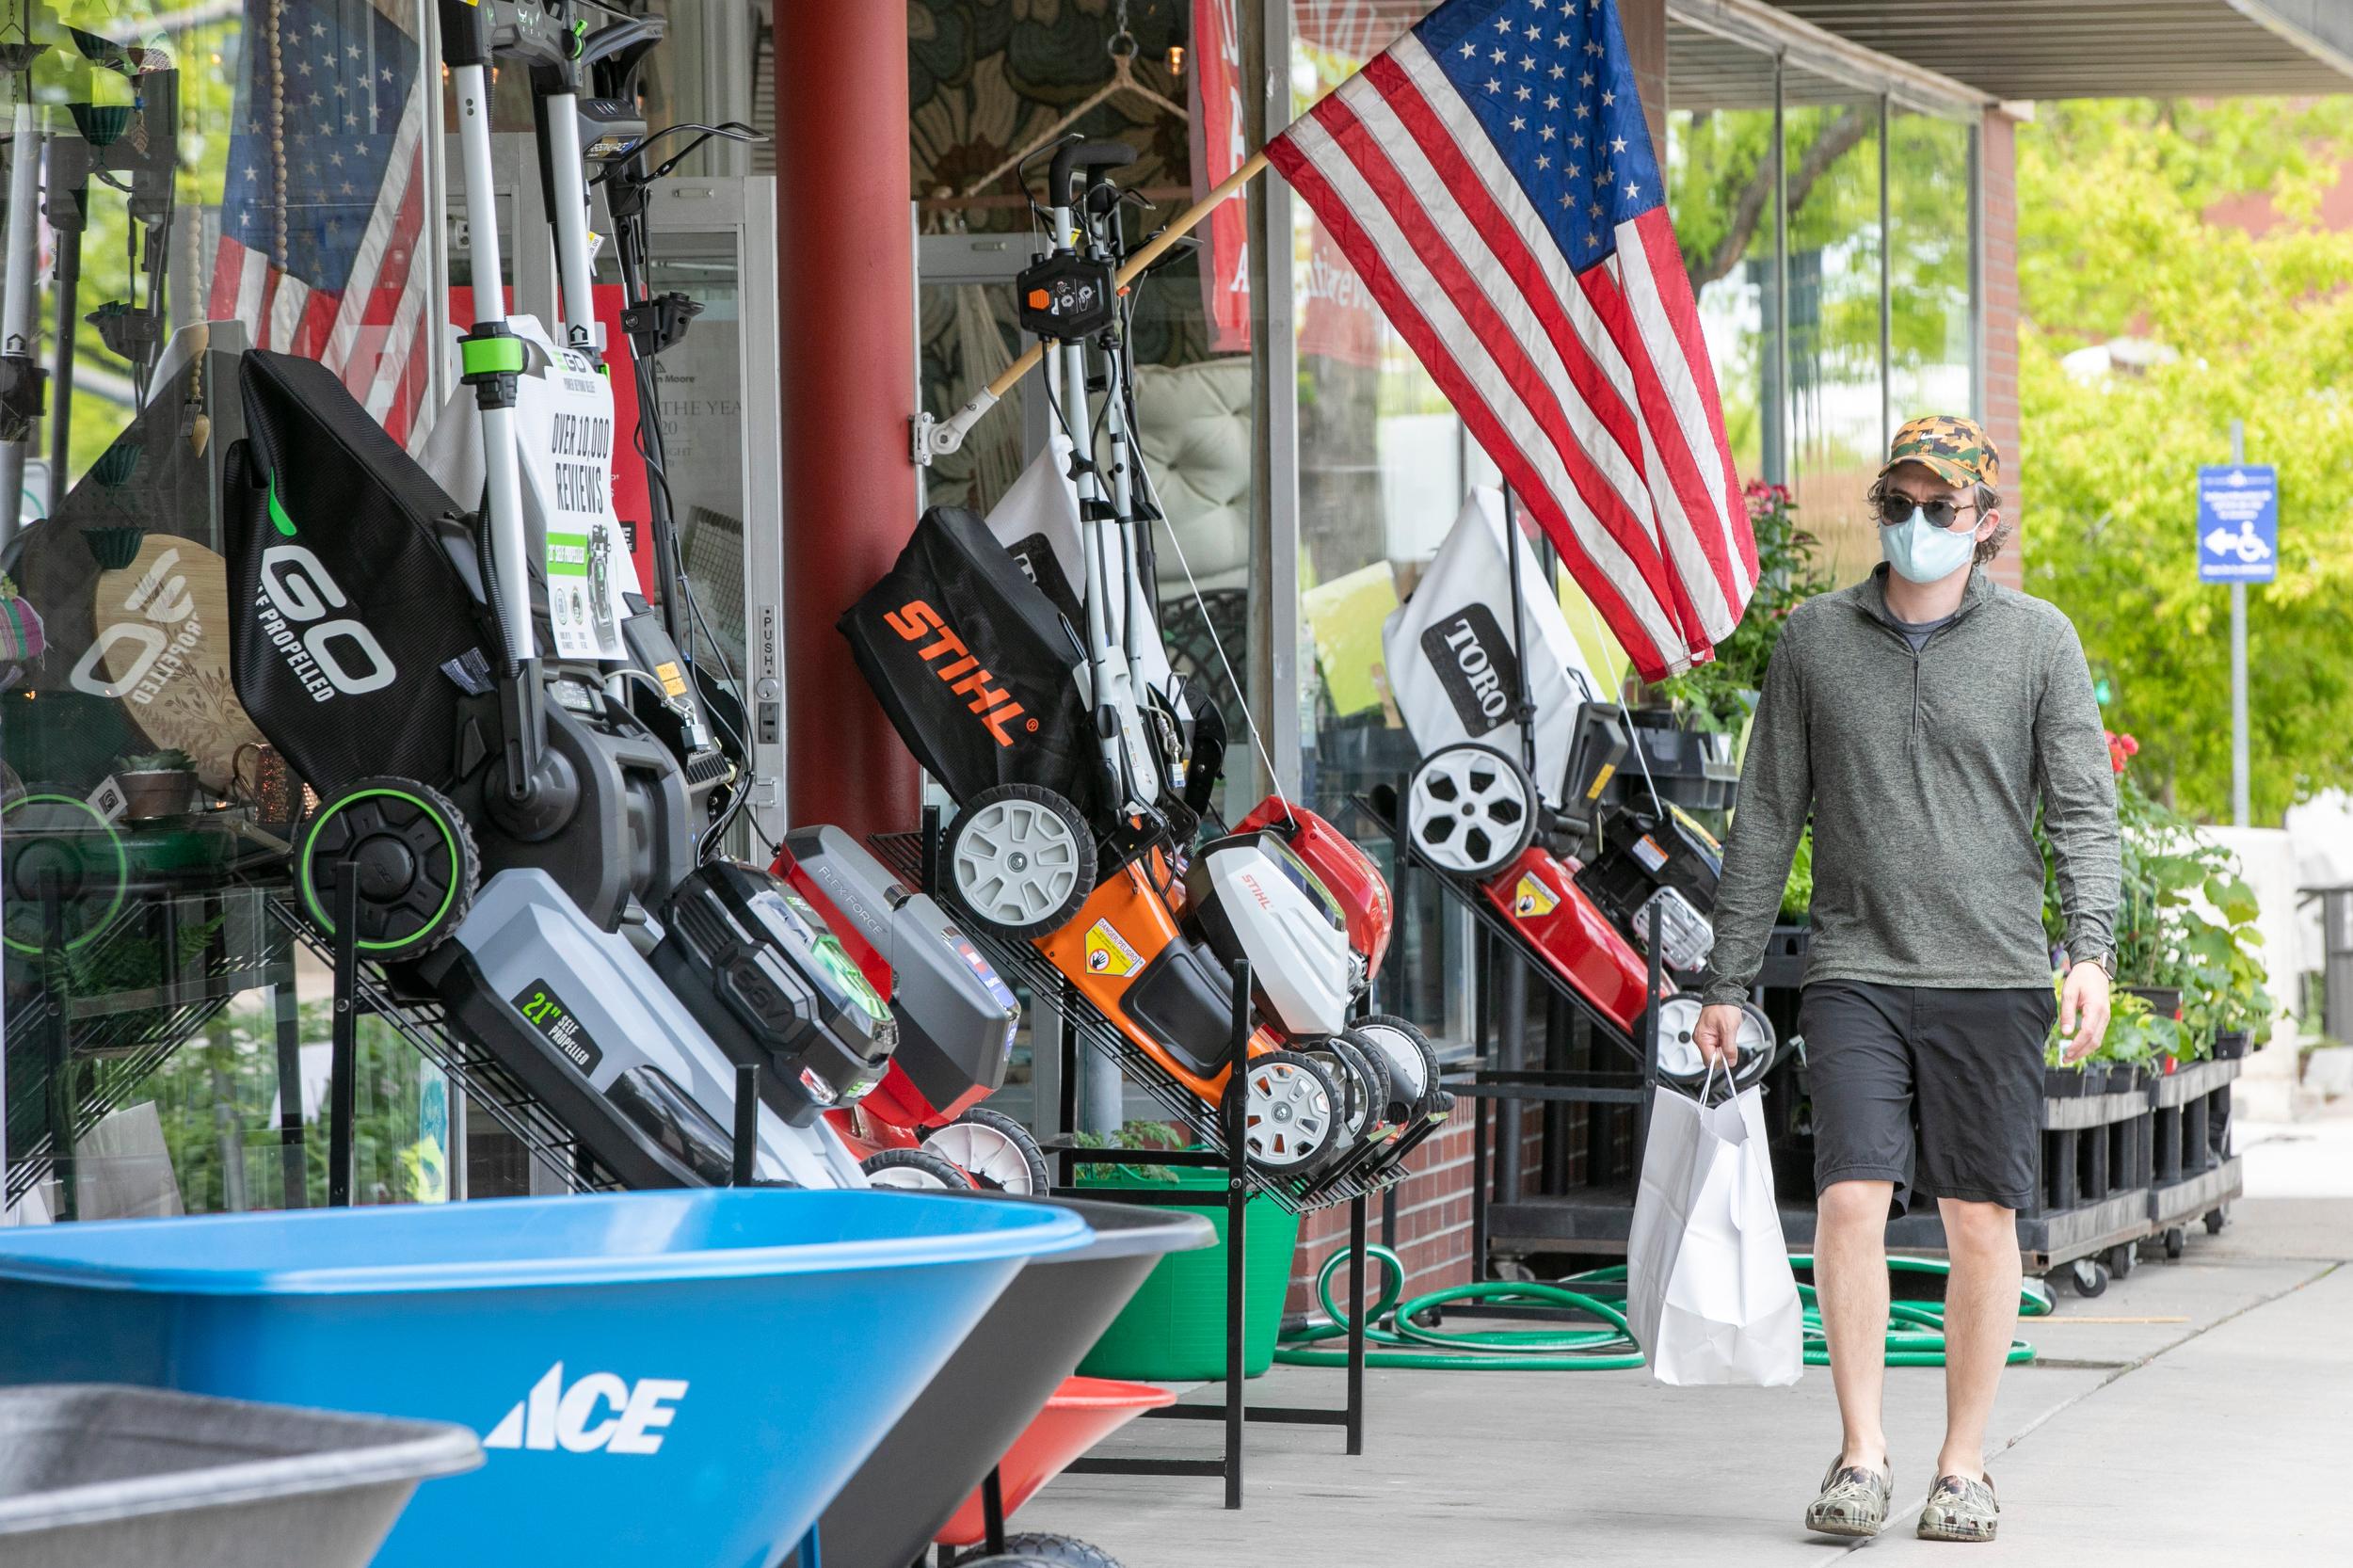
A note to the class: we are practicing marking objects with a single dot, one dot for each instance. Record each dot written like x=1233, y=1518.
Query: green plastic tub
x=1173, y=1329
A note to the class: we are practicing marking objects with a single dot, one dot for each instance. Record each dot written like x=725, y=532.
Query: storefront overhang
x=2029, y=49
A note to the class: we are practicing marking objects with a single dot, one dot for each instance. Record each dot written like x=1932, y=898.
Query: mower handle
x=1076, y=155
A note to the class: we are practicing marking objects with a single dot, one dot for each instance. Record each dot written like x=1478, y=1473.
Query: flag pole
x=937, y=438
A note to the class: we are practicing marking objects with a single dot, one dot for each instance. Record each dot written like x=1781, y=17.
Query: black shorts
x=1936, y=1088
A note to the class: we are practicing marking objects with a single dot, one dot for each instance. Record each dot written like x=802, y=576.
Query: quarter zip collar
x=1870, y=597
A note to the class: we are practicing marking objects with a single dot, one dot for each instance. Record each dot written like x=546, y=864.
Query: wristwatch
x=2106, y=960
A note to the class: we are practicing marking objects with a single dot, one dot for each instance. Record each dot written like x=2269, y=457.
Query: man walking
x=1920, y=717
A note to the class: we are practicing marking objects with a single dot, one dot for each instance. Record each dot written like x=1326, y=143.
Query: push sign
x=2238, y=523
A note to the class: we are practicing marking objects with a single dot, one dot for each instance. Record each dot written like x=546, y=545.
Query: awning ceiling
x=2025, y=49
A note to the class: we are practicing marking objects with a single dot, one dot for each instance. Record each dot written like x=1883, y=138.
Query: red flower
x=2121, y=748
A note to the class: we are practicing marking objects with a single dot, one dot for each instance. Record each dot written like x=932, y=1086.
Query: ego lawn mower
x=1018, y=659
x=1512, y=796
x=507, y=833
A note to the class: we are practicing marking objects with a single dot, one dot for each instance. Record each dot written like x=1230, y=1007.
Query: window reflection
x=1930, y=242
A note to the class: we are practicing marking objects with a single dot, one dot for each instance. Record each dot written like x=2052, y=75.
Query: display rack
x=1068, y=1019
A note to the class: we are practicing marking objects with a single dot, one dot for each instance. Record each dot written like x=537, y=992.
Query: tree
x=2115, y=237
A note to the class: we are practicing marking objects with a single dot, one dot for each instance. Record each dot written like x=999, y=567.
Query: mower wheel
x=1293, y=1116
x=1363, y=1084
x=1679, y=1059
x=1022, y=861
x=914, y=1170
x=1004, y=1560
x=993, y=1149
x=54, y=843
x=1413, y=1065
x=415, y=858
x=1061, y=1551
x=1470, y=809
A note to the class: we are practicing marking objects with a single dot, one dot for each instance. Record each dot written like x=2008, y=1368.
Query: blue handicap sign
x=2238, y=523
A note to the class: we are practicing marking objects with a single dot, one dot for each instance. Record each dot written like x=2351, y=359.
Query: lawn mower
x=1080, y=772
x=510, y=836
x=1509, y=798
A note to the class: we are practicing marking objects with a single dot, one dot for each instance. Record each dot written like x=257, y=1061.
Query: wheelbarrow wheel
x=1470, y=809
x=993, y=1149
x=1061, y=1550
x=1292, y=1113
x=1022, y=861
x=1412, y=1064
x=414, y=856
x=914, y=1170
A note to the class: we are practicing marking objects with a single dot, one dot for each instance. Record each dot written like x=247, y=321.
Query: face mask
x=1923, y=553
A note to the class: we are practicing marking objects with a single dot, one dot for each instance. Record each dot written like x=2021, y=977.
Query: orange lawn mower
x=1019, y=660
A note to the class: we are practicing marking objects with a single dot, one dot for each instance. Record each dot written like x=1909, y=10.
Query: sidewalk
x=2199, y=1412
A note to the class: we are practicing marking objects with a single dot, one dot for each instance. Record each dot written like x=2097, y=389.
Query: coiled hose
x=1402, y=1333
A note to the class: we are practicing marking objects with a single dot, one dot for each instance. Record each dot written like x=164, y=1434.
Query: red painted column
x=845, y=276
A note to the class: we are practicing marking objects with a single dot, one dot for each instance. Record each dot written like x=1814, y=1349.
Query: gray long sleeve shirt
x=1922, y=769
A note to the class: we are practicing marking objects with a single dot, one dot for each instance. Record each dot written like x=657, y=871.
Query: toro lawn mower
x=1080, y=772
x=1508, y=799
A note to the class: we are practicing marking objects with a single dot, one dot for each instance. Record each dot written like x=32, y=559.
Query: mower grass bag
x=359, y=641
x=976, y=668
x=1453, y=655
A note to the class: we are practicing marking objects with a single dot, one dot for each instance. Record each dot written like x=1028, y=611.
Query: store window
x=186, y=182
x=1722, y=175
x=1931, y=245
x=1836, y=431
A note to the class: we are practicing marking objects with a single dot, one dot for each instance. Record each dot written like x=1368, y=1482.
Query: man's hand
x=2082, y=1010
x=1719, y=1034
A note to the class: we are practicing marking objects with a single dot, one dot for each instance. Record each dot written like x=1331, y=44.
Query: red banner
x=1217, y=151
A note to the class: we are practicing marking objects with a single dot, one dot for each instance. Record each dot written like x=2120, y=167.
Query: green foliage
x=2135, y=1036
x=2185, y=920
x=173, y=761
x=1796, y=896
x=1719, y=694
x=1134, y=1135
x=2114, y=202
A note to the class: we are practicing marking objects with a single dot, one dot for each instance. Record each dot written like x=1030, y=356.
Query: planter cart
x=1001, y=1380
x=96, y=1476
x=661, y=1377
x=2194, y=1176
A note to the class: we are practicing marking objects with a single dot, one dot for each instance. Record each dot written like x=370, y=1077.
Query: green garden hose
x=1399, y=1334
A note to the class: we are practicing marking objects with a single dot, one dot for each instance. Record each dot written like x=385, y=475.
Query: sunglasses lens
x=1895, y=509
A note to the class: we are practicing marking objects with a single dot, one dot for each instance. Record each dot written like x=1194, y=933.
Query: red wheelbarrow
x=1082, y=1412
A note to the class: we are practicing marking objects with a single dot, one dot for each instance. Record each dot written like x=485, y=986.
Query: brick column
x=1644, y=22
x=1997, y=165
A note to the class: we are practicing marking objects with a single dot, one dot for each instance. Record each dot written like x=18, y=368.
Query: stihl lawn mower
x=1019, y=660
x=1509, y=798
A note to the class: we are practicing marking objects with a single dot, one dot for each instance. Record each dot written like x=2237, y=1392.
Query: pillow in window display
x=1193, y=430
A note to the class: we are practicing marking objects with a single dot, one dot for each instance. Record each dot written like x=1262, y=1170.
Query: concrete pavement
x=2161, y=1422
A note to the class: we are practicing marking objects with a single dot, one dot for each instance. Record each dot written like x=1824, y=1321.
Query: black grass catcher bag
x=357, y=638
x=974, y=664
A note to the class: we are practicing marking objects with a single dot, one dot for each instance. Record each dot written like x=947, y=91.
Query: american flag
x=1490, y=178
x=322, y=235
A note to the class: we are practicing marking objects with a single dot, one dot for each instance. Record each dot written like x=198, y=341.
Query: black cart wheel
x=1293, y=1113
x=2088, y=1276
x=2122, y=1257
x=2176, y=1238
x=914, y=1170
x=2216, y=1220
x=415, y=856
x=1412, y=1064
x=53, y=842
x=1470, y=809
x=1061, y=1551
x=1364, y=1086
x=996, y=1150
x=1022, y=859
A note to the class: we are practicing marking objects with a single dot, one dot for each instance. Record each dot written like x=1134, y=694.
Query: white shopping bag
x=1708, y=1291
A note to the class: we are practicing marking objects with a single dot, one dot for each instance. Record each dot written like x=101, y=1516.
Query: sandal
x=1960, y=1509
x=1853, y=1500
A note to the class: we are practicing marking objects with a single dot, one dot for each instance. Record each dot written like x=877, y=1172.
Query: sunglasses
x=1895, y=508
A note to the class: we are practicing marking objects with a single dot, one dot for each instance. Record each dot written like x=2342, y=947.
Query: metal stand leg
x=1235, y=1110
x=993, y=1511
x=1356, y=1327
x=342, y=1070
x=59, y=1096
x=286, y=1010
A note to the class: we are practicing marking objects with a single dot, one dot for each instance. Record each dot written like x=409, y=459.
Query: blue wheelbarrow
x=658, y=1377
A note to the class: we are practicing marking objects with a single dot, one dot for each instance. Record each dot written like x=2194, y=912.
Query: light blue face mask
x=1923, y=553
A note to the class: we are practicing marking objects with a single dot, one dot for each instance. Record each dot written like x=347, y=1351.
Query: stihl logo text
x=954, y=664
x=599, y=1413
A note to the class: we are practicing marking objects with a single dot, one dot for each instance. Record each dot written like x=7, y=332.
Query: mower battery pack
x=956, y=1016
x=1646, y=860
x=759, y=970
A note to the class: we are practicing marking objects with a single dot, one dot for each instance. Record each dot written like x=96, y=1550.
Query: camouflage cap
x=1956, y=450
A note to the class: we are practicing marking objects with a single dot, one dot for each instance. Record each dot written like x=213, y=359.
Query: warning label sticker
x=1107, y=951
x=1533, y=897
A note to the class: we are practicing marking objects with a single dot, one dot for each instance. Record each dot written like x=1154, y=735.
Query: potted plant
x=157, y=784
